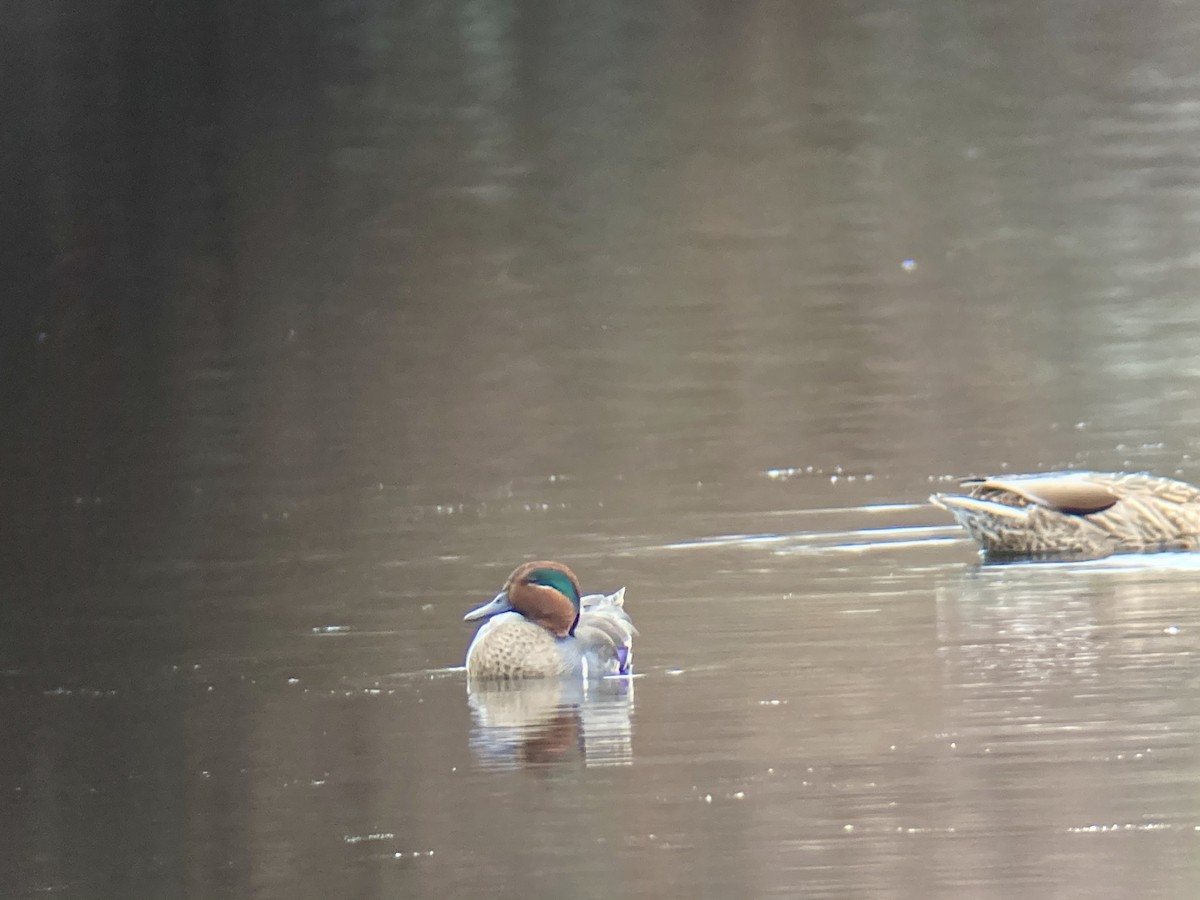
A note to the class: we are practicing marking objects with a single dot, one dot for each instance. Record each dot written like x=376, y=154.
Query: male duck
x=539, y=626
x=1082, y=514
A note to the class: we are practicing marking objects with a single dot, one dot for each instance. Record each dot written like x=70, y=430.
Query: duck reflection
x=1038, y=651
x=532, y=722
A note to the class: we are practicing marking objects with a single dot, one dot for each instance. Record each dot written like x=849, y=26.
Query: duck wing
x=1073, y=493
x=606, y=632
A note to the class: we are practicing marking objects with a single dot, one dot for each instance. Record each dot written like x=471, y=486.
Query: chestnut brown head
x=546, y=593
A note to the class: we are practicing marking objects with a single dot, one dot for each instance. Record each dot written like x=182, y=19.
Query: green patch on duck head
x=559, y=580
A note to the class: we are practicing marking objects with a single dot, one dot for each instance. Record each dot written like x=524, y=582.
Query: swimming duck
x=1082, y=514
x=539, y=626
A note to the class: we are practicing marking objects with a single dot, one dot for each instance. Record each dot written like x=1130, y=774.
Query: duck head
x=546, y=593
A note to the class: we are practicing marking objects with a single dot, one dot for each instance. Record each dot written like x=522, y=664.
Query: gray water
x=321, y=317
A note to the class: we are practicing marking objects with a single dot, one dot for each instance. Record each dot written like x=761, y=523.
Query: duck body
x=1079, y=514
x=539, y=626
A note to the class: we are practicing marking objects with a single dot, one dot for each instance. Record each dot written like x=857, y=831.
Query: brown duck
x=1081, y=514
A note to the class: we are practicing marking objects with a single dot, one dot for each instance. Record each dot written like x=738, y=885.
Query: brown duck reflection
x=550, y=721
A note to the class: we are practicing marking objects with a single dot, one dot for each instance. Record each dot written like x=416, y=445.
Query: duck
x=1076, y=514
x=540, y=625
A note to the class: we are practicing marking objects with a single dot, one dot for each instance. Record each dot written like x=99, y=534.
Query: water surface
x=322, y=319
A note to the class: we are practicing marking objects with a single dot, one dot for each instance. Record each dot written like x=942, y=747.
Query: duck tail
x=988, y=523
x=593, y=602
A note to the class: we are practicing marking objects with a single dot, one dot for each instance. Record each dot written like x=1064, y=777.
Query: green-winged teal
x=539, y=626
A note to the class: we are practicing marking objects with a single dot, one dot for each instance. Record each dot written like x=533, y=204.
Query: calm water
x=321, y=317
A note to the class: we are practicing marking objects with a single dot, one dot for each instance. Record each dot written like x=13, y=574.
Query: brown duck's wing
x=1073, y=493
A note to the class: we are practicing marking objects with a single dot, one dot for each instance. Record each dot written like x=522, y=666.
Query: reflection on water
x=1077, y=681
x=548, y=720
x=1069, y=628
